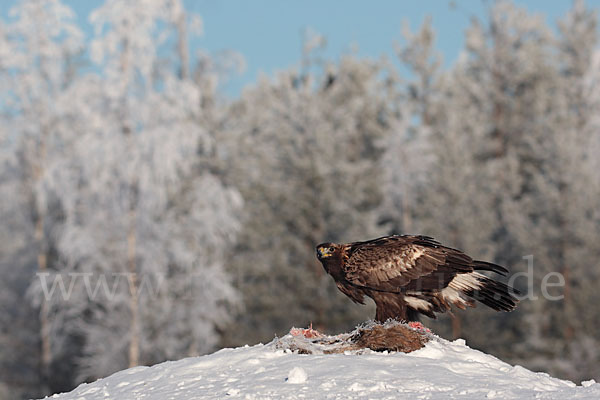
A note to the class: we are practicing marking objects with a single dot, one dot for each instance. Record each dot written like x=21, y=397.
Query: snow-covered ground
x=440, y=370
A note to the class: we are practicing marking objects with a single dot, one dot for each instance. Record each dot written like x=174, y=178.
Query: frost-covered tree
x=499, y=107
x=558, y=211
x=474, y=120
x=37, y=45
x=513, y=174
x=408, y=154
x=143, y=227
x=19, y=320
x=304, y=151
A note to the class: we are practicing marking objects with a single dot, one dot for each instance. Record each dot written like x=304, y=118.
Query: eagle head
x=325, y=250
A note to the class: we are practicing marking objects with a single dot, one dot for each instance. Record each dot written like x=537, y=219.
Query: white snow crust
x=440, y=370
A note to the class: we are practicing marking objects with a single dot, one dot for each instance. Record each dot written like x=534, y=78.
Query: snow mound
x=439, y=370
x=297, y=375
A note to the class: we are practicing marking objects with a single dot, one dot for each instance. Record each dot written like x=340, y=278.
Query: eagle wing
x=399, y=263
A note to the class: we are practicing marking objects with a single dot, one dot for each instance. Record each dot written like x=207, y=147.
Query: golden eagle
x=407, y=275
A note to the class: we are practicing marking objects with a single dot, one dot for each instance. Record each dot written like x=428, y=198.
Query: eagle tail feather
x=494, y=294
x=467, y=288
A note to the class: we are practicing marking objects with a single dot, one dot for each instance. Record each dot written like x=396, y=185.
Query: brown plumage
x=407, y=275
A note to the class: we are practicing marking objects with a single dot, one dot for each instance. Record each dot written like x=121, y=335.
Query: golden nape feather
x=410, y=275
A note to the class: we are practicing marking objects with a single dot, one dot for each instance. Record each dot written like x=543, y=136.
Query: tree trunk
x=134, y=342
x=563, y=259
x=44, y=321
x=42, y=258
x=134, y=332
x=568, y=332
x=182, y=47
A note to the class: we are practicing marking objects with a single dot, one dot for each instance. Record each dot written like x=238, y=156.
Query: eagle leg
x=388, y=306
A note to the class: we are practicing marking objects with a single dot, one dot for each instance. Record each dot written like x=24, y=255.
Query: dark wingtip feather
x=496, y=295
x=488, y=266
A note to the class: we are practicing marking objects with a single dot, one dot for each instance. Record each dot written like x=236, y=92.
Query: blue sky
x=268, y=33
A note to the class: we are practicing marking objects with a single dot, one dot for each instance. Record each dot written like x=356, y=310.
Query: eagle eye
x=331, y=249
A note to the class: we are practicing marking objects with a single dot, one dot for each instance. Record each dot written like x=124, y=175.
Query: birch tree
x=145, y=226
x=37, y=46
